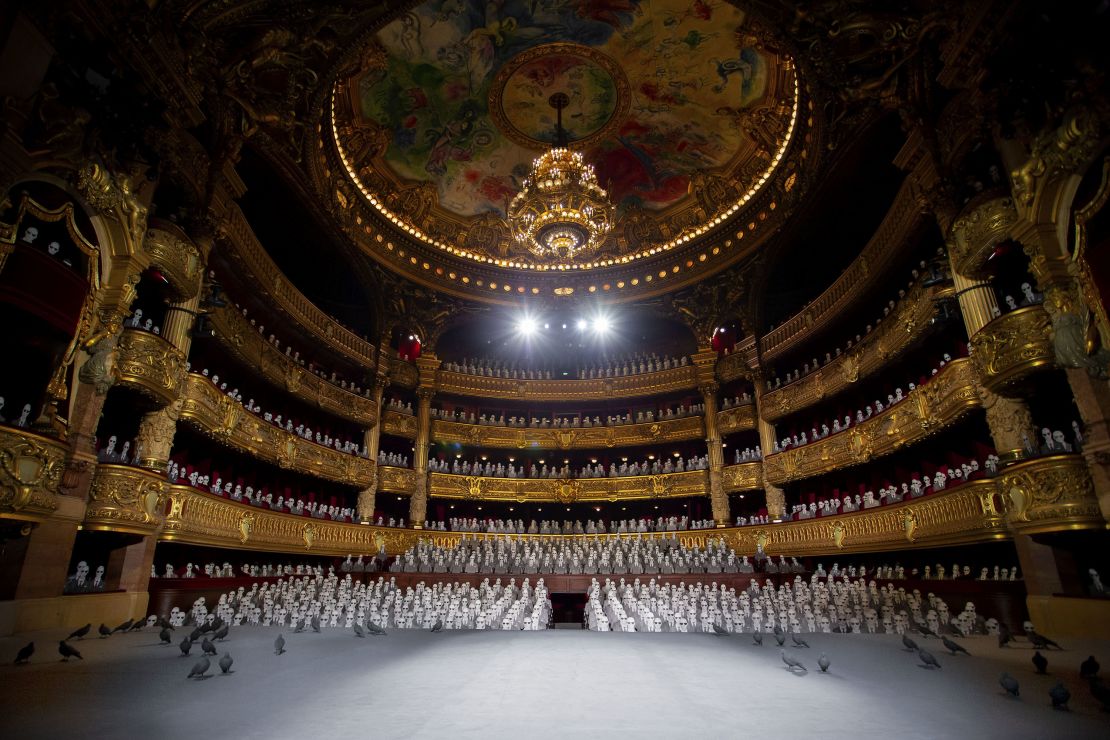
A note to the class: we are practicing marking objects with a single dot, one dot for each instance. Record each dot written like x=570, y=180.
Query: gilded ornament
x=246, y=521
x=308, y=533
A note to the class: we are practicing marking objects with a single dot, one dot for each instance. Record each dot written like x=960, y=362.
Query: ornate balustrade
x=736, y=419
x=580, y=438
x=948, y=396
x=626, y=386
x=126, y=499
x=1012, y=347
x=149, y=364
x=31, y=467
x=974, y=512
x=175, y=257
x=249, y=253
x=399, y=424
x=909, y=321
x=403, y=373
x=747, y=476
x=396, y=480
x=244, y=341
x=904, y=218
x=226, y=421
x=568, y=491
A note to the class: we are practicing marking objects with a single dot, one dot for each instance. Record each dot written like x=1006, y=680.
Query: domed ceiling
x=687, y=111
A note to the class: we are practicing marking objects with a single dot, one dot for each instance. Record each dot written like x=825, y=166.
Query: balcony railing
x=149, y=364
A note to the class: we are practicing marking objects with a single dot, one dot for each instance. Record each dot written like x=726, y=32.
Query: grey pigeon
x=315, y=623
x=164, y=636
x=80, y=633
x=778, y=630
x=67, y=651
x=953, y=647
x=125, y=626
x=186, y=645
x=207, y=646
x=1059, y=695
x=1005, y=636
x=137, y=625
x=1089, y=667
x=1040, y=663
x=780, y=638
x=438, y=626
x=358, y=630
x=373, y=628
x=927, y=658
x=799, y=641
x=279, y=645
x=1100, y=693
x=791, y=661
x=225, y=663
x=221, y=633
x=823, y=663
x=195, y=635
x=757, y=638
x=200, y=668
x=910, y=644
x=719, y=630
x=1009, y=683
x=104, y=630
x=25, y=653
x=1040, y=641
x=299, y=627
x=924, y=629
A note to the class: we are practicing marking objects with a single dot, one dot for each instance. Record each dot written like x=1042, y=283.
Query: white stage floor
x=533, y=685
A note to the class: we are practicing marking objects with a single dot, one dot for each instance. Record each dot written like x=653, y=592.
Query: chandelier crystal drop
x=561, y=212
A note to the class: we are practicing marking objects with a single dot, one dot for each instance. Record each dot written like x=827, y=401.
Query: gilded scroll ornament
x=31, y=469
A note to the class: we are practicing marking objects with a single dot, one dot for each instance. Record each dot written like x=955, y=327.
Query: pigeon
x=778, y=630
x=799, y=641
x=163, y=622
x=373, y=628
x=438, y=626
x=104, y=631
x=757, y=638
x=910, y=644
x=25, y=653
x=207, y=627
x=1040, y=662
x=924, y=629
x=1009, y=683
x=124, y=627
x=200, y=668
x=1040, y=641
x=207, y=646
x=1088, y=668
x=927, y=658
x=194, y=636
x=315, y=623
x=67, y=651
x=221, y=633
x=137, y=625
x=186, y=645
x=299, y=627
x=823, y=663
x=953, y=647
x=1005, y=636
x=164, y=636
x=791, y=661
x=719, y=630
x=1100, y=693
x=1059, y=695
x=80, y=633
x=279, y=645
x=955, y=628
x=358, y=630
x=225, y=663
x=780, y=638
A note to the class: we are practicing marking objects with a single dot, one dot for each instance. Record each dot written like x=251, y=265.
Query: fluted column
x=418, y=504
x=717, y=496
x=367, y=497
x=775, y=497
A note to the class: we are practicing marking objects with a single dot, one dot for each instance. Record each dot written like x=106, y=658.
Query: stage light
x=582, y=324
x=526, y=326
x=602, y=325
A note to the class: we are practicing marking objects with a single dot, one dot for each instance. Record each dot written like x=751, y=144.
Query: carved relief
x=31, y=470
x=1011, y=347
x=125, y=499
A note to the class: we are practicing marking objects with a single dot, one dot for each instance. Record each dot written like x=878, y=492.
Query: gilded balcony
x=978, y=229
x=946, y=398
x=175, y=257
x=226, y=420
x=579, y=438
x=252, y=349
x=568, y=491
x=1013, y=347
x=736, y=419
x=403, y=373
x=909, y=321
x=399, y=424
x=396, y=480
x=626, y=386
x=149, y=364
x=1051, y=494
x=31, y=467
x=126, y=499
x=746, y=476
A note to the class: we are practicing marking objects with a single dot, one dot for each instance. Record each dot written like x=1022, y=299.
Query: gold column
x=775, y=497
x=418, y=504
x=367, y=498
x=717, y=496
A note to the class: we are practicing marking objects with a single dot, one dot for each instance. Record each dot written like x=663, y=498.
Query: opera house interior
x=346, y=341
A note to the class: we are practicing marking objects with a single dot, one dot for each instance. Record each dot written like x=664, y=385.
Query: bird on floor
x=315, y=624
x=1005, y=636
x=823, y=663
x=80, y=633
x=186, y=645
x=124, y=627
x=67, y=651
x=1040, y=663
x=200, y=668
x=757, y=638
x=358, y=630
x=373, y=628
x=1101, y=693
x=221, y=633
x=207, y=647
x=25, y=653
x=1089, y=667
x=104, y=631
x=780, y=638
x=927, y=658
x=1009, y=683
x=137, y=625
x=1059, y=695
x=791, y=661
x=299, y=627
x=1042, y=642
x=924, y=630
x=438, y=626
x=953, y=647
x=719, y=630
x=195, y=635
x=164, y=636
x=279, y=645
x=225, y=663
x=799, y=642
x=911, y=646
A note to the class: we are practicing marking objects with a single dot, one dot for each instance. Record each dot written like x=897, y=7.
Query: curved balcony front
x=746, y=476
x=736, y=419
x=149, y=364
x=125, y=499
x=569, y=491
x=396, y=480
x=31, y=468
x=399, y=424
x=597, y=389
x=175, y=257
x=909, y=321
x=1013, y=347
x=226, y=421
x=947, y=397
x=578, y=438
x=1051, y=494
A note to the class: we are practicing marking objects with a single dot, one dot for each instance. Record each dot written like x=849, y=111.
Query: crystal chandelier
x=561, y=213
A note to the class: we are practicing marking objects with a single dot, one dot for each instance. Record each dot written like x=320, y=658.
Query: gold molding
x=1012, y=347
x=578, y=438
x=736, y=419
x=399, y=424
x=1051, y=494
x=177, y=259
x=125, y=499
x=977, y=231
x=244, y=341
x=403, y=373
x=396, y=480
x=948, y=396
x=228, y=422
x=909, y=321
x=31, y=469
x=746, y=476
x=150, y=364
x=567, y=491
x=627, y=386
